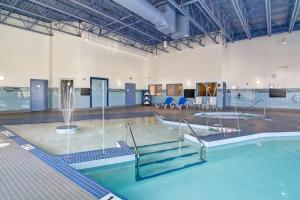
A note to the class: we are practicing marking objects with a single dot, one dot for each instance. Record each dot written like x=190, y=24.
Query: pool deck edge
x=79, y=179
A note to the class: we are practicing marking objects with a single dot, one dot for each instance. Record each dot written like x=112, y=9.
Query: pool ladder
x=255, y=103
x=203, y=147
x=137, y=154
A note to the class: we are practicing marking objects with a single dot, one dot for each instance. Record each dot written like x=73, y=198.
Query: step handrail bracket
x=201, y=142
x=127, y=127
x=255, y=103
x=137, y=154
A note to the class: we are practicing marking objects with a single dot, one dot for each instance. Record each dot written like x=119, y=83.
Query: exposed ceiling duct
x=164, y=17
x=145, y=10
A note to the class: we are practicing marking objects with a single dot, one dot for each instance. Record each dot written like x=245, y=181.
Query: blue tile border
x=86, y=156
x=60, y=166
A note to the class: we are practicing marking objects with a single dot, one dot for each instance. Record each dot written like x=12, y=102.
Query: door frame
x=47, y=93
x=107, y=92
x=134, y=97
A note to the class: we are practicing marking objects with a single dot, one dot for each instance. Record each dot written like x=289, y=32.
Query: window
x=212, y=89
x=201, y=87
x=174, y=89
x=155, y=89
x=207, y=89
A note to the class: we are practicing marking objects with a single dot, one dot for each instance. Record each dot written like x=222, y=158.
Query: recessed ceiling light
x=257, y=82
x=2, y=78
x=165, y=44
x=283, y=39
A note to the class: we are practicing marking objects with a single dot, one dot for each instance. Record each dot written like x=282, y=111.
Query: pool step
x=157, y=146
x=164, y=150
x=168, y=159
x=160, y=159
x=160, y=173
x=165, y=153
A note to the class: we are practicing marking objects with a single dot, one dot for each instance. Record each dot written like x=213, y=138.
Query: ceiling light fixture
x=85, y=35
x=283, y=39
x=2, y=78
x=165, y=44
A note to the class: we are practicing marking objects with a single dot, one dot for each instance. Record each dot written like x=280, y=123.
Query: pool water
x=147, y=130
x=258, y=170
x=229, y=115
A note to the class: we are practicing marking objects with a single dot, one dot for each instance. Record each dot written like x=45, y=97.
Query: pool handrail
x=252, y=106
x=127, y=127
x=201, y=142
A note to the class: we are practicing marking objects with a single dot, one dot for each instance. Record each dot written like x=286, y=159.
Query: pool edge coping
x=232, y=140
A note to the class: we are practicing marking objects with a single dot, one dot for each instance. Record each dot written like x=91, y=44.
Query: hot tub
x=229, y=115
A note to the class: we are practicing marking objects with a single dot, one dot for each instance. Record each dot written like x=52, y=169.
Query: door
x=130, y=94
x=99, y=93
x=38, y=95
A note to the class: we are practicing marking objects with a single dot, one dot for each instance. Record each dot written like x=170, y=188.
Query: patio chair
x=169, y=101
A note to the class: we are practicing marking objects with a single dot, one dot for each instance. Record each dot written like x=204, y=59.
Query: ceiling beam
x=116, y=20
x=269, y=16
x=294, y=15
x=48, y=20
x=83, y=19
x=219, y=21
x=241, y=12
x=192, y=20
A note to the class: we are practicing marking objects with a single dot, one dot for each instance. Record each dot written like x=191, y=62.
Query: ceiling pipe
x=146, y=10
x=294, y=15
x=214, y=18
x=193, y=21
x=242, y=18
x=269, y=17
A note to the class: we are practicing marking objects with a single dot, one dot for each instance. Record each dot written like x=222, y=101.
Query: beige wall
x=264, y=59
x=25, y=55
x=188, y=66
x=239, y=64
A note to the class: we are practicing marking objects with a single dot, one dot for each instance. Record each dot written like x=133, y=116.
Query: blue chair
x=182, y=102
x=168, y=102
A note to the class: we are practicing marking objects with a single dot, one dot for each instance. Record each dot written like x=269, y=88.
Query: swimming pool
x=229, y=115
x=256, y=170
x=147, y=130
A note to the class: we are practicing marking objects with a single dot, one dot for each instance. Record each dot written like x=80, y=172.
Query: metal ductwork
x=145, y=10
x=164, y=17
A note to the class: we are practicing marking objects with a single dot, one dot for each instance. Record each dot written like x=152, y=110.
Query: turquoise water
x=261, y=170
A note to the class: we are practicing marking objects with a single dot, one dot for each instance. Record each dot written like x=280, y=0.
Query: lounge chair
x=198, y=102
x=168, y=102
x=182, y=102
x=213, y=102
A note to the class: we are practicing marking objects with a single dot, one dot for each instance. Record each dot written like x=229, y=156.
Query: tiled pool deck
x=23, y=165
x=29, y=173
x=91, y=159
x=282, y=120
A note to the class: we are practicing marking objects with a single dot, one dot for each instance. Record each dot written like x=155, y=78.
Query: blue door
x=130, y=94
x=99, y=93
x=38, y=95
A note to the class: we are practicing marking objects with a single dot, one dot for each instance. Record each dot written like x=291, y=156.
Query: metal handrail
x=256, y=102
x=127, y=127
x=201, y=142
